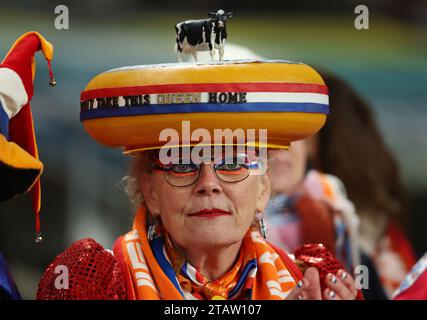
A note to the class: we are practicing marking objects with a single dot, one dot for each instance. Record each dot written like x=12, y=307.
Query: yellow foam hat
x=130, y=107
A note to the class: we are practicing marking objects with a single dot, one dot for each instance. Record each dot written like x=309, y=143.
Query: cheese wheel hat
x=129, y=107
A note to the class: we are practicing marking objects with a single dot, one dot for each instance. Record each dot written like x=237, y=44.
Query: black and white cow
x=202, y=35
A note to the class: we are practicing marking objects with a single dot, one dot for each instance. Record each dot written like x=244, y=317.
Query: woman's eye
x=183, y=168
x=230, y=166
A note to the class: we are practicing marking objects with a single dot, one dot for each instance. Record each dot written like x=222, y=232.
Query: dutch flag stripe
x=12, y=92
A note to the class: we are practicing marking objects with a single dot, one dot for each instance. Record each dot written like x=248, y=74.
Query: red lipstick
x=210, y=213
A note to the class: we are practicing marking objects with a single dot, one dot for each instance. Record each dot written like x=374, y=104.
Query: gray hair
x=141, y=163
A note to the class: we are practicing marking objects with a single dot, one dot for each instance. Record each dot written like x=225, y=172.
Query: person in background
x=346, y=209
x=308, y=206
x=414, y=287
x=350, y=146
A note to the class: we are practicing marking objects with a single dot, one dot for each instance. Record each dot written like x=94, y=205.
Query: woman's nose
x=208, y=183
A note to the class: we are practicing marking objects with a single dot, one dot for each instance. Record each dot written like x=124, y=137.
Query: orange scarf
x=234, y=284
x=151, y=276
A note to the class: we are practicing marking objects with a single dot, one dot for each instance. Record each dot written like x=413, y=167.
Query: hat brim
x=113, y=131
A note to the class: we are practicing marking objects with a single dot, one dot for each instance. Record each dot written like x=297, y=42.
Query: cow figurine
x=202, y=35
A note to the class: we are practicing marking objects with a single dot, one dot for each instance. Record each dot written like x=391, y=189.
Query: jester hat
x=20, y=167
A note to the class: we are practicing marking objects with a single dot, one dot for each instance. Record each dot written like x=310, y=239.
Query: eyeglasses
x=231, y=170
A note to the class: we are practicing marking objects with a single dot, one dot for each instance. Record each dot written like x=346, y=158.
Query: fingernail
x=344, y=275
x=333, y=279
x=332, y=294
x=300, y=284
x=300, y=297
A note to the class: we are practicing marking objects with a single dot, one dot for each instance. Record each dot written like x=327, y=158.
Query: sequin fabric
x=84, y=271
x=319, y=257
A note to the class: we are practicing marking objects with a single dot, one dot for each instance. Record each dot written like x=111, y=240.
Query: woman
x=314, y=207
x=309, y=207
x=197, y=233
x=375, y=189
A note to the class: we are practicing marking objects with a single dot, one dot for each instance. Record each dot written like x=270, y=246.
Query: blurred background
x=81, y=191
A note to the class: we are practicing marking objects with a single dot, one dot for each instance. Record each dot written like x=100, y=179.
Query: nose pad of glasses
x=207, y=181
x=204, y=170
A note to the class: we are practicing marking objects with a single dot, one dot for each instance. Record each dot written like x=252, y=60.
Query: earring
x=262, y=225
x=152, y=232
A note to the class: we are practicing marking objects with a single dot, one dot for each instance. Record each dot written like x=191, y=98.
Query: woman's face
x=288, y=167
x=209, y=213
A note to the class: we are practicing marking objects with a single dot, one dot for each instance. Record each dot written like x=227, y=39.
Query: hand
x=340, y=286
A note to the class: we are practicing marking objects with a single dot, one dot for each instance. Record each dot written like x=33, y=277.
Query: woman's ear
x=264, y=191
x=149, y=194
x=312, y=148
